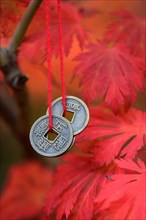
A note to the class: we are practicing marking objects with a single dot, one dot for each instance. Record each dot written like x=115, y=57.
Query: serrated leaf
x=115, y=135
x=109, y=73
x=124, y=196
x=129, y=29
x=76, y=185
x=71, y=27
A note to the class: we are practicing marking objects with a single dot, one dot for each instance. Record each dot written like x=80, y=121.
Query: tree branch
x=19, y=123
x=23, y=25
x=9, y=66
x=8, y=61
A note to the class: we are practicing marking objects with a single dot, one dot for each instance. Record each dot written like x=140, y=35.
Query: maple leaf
x=76, y=185
x=124, y=196
x=71, y=27
x=34, y=39
x=120, y=135
x=129, y=29
x=24, y=194
x=109, y=73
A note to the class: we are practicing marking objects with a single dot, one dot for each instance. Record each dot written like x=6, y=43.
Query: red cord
x=49, y=63
x=49, y=60
x=61, y=56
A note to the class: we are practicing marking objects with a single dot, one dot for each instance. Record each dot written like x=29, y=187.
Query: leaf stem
x=23, y=25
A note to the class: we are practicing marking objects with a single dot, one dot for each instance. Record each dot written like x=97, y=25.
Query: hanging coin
x=39, y=136
x=76, y=108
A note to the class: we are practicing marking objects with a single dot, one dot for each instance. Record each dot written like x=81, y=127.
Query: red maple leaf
x=36, y=35
x=119, y=135
x=128, y=29
x=124, y=196
x=71, y=27
x=109, y=73
x=76, y=185
x=23, y=196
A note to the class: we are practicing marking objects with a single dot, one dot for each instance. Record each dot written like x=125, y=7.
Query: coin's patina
x=49, y=148
x=77, y=107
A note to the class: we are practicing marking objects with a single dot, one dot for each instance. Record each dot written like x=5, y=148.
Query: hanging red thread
x=48, y=41
x=49, y=60
x=61, y=56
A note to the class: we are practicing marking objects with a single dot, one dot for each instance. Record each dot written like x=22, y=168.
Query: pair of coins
x=64, y=129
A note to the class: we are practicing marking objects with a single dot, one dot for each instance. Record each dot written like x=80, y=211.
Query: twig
x=8, y=61
x=23, y=25
x=17, y=80
x=11, y=70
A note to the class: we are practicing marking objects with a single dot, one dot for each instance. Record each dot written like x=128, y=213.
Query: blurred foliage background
x=12, y=150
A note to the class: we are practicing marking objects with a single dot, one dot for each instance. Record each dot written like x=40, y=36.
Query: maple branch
x=9, y=66
x=15, y=79
x=8, y=56
x=23, y=25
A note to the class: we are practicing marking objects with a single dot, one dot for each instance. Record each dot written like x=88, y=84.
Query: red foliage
x=114, y=134
x=93, y=184
x=25, y=191
x=85, y=191
x=71, y=27
x=111, y=72
x=76, y=185
x=10, y=16
x=129, y=29
x=36, y=36
x=124, y=196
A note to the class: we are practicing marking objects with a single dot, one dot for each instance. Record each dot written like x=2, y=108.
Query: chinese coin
x=79, y=110
x=39, y=136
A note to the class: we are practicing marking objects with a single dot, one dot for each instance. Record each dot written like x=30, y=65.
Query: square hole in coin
x=51, y=135
x=68, y=115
